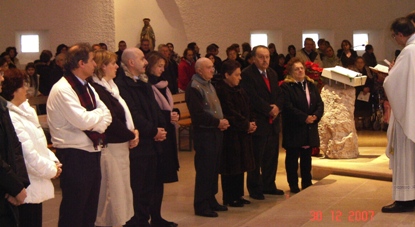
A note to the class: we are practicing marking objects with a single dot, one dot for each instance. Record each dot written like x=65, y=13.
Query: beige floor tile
x=333, y=194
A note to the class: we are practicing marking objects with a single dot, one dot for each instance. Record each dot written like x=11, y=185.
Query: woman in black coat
x=237, y=155
x=346, y=54
x=169, y=161
x=164, y=98
x=303, y=109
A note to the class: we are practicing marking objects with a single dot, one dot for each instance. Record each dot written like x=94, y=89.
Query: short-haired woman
x=237, y=155
x=41, y=163
x=303, y=109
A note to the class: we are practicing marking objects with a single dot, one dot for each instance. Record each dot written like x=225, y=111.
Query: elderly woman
x=303, y=109
x=115, y=206
x=169, y=164
x=237, y=155
x=41, y=163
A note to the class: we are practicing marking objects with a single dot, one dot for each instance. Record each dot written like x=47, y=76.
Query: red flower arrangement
x=313, y=71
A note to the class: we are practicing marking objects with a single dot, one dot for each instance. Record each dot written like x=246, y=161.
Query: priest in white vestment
x=400, y=90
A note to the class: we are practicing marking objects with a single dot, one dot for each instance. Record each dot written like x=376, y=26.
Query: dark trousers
x=30, y=215
x=9, y=214
x=80, y=183
x=232, y=187
x=208, y=147
x=157, y=197
x=262, y=178
x=291, y=166
x=143, y=177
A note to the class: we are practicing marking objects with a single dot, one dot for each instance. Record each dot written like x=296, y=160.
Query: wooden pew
x=36, y=101
x=185, y=123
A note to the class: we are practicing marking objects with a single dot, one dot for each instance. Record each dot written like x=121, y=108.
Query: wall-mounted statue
x=148, y=33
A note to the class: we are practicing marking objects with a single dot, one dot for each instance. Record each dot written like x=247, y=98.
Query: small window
x=259, y=39
x=29, y=43
x=314, y=36
x=360, y=40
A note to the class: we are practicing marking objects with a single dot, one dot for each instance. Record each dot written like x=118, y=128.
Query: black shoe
x=257, y=196
x=399, y=207
x=244, y=201
x=294, y=190
x=274, y=192
x=235, y=203
x=207, y=213
x=219, y=207
x=163, y=223
x=304, y=186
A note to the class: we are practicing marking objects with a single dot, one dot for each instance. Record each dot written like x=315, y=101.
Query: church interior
x=345, y=192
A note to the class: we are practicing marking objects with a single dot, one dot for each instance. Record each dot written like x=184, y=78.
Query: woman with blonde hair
x=115, y=206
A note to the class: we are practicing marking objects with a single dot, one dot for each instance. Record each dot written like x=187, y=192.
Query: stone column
x=338, y=138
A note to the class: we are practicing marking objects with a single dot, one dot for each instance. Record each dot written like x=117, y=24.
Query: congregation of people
x=113, y=126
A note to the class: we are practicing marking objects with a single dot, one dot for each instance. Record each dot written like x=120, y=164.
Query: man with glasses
x=400, y=89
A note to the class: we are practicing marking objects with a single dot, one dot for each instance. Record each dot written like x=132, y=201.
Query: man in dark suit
x=145, y=159
x=261, y=84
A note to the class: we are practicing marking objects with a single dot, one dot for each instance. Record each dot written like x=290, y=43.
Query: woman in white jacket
x=41, y=163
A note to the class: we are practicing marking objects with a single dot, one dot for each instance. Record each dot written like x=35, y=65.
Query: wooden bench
x=185, y=123
x=36, y=101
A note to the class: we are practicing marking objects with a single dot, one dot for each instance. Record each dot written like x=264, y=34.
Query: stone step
x=372, y=163
x=336, y=201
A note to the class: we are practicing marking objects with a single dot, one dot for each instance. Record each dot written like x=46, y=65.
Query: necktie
x=90, y=94
x=302, y=84
x=266, y=80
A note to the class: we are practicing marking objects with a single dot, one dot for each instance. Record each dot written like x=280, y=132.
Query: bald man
x=146, y=182
x=208, y=124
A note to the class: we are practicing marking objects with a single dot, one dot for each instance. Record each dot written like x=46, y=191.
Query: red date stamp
x=338, y=216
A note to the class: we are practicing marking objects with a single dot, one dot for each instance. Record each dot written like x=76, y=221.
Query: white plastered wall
x=61, y=21
x=232, y=21
x=220, y=21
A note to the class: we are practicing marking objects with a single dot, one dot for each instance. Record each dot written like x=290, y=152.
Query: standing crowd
x=113, y=125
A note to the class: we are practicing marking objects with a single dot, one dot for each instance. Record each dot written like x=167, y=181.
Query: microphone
x=362, y=45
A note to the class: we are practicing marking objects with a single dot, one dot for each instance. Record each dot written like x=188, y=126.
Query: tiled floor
x=348, y=198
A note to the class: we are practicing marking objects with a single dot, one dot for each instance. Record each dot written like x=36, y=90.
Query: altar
x=338, y=137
